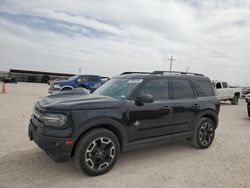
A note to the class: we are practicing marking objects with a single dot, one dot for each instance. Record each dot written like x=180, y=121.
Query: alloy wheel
x=206, y=133
x=100, y=153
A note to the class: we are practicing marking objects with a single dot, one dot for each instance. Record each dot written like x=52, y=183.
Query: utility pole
x=171, y=61
x=80, y=70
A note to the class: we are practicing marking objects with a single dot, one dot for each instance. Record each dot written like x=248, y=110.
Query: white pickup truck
x=224, y=92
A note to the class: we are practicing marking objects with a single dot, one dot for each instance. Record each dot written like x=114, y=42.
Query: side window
x=92, y=79
x=225, y=85
x=158, y=88
x=182, y=89
x=81, y=79
x=205, y=88
x=218, y=85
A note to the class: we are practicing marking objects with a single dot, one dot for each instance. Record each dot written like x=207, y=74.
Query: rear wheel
x=204, y=134
x=235, y=100
x=97, y=152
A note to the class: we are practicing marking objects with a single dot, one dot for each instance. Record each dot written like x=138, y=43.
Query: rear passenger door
x=186, y=104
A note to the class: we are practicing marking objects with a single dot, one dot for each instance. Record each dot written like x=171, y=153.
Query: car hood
x=61, y=82
x=78, y=101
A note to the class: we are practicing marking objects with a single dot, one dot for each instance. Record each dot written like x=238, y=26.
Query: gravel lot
x=22, y=164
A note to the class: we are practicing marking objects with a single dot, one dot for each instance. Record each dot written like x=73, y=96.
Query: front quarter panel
x=85, y=120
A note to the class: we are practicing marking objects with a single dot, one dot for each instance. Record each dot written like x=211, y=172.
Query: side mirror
x=144, y=98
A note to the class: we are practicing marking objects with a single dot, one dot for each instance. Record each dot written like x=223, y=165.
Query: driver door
x=152, y=119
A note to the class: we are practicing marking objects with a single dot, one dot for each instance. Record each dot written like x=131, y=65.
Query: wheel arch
x=112, y=125
x=66, y=86
x=211, y=115
x=237, y=94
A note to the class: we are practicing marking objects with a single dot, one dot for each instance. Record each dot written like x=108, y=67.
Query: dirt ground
x=22, y=164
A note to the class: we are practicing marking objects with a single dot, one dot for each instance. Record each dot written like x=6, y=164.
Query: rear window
x=205, y=88
x=182, y=89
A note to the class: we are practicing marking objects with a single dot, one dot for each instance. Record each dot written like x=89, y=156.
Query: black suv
x=127, y=112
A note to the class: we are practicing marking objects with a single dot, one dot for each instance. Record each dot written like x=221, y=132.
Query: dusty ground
x=22, y=164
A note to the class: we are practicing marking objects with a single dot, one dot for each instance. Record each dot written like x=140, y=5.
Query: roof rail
x=136, y=73
x=176, y=72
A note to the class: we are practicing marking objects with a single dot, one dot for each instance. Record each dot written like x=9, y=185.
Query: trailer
x=36, y=76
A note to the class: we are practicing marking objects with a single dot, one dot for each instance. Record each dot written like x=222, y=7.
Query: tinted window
x=158, y=88
x=182, y=89
x=205, y=88
x=92, y=78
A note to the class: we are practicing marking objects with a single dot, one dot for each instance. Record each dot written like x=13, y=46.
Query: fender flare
x=113, y=125
x=211, y=113
x=65, y=87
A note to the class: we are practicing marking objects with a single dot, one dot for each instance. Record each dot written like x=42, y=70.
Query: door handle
x=196, y=106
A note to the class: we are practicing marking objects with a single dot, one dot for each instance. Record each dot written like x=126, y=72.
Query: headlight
x=54, y=120
x=56, y=86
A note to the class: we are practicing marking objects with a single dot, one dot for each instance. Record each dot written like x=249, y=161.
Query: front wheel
x=97, y=152
x=204, y=134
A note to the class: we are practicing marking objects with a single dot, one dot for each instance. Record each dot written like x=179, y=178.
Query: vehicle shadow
x=34, y=167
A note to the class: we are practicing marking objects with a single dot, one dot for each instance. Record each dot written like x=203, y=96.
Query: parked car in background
x=248, y=108
x=127, y=112
x=90, y=82
x=226, y=93
x=247, y=97
x=245, y=91
x=8, y=80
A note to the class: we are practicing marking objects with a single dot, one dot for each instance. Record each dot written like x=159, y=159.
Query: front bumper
x=54, y=146
x=53, y=90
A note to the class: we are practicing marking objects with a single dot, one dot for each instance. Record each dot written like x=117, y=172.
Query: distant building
x=34, y=76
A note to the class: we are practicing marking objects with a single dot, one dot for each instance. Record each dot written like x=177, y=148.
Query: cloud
x=109, y=37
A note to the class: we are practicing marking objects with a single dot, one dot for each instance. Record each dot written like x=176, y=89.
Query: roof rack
x=176, y=72
x=136, y=73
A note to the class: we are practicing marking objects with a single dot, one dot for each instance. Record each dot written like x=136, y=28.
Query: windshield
x=118, y=88
x=73, y=78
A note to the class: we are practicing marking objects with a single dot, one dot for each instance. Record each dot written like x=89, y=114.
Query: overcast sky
x=108, y=37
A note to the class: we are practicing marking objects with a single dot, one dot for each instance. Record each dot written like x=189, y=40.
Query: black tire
x=235, y=100
x=92, y=153
x=204, y=134
x=248, y=113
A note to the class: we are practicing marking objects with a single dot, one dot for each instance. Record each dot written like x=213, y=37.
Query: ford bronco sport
x=127, y=112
